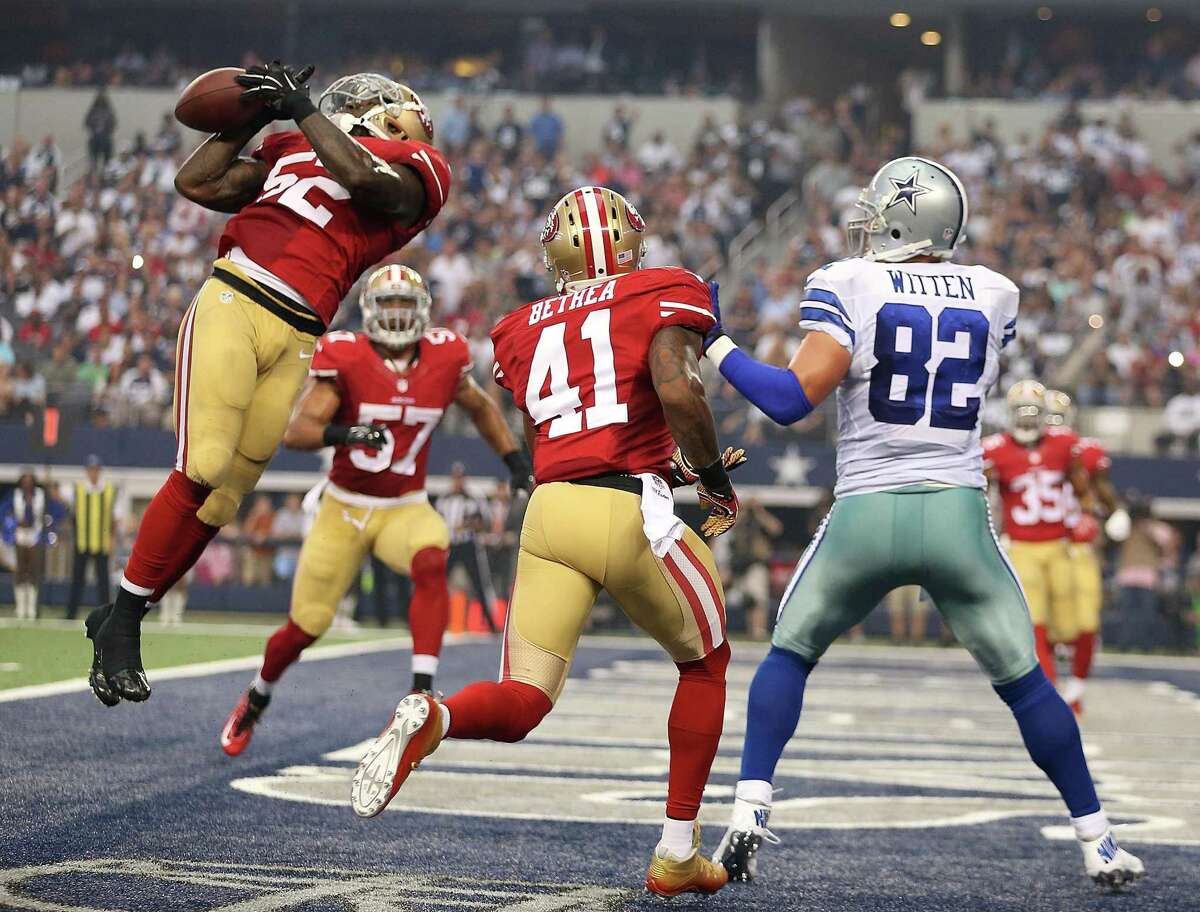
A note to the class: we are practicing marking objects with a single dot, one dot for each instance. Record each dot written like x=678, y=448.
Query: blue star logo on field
x=791, y=468
x=906, y=191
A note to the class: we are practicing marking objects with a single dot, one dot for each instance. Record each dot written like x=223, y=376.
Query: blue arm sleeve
x=775, y=390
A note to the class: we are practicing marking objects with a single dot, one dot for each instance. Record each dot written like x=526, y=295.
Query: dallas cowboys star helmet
x=911, y=207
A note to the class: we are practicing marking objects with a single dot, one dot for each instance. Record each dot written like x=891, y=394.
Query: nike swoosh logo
x=305, y=356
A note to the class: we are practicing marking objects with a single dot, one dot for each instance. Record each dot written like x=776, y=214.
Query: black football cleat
x=96, y=679
x=119, y=645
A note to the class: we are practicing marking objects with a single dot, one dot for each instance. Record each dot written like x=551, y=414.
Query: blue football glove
x=717, y=330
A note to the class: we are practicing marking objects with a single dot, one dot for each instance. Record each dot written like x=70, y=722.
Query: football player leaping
x=377, y=396
x=1083, y=532
x=315, y=207
x=606, y=373
x=911, y=343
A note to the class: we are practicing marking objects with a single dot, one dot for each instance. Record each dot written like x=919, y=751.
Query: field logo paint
x=218, y=887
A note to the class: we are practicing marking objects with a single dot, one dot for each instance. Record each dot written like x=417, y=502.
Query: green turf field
x=46, y=651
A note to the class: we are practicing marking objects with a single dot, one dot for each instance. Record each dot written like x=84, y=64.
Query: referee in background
x=94, y=508
x=466, y=516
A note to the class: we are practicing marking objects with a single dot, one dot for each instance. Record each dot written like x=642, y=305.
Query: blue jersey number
x=903, y=346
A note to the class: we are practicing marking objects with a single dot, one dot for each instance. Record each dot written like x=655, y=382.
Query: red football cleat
x=239, y=727
x=414, y=732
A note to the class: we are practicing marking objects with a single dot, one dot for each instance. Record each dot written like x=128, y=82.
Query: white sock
x=1090, y=826
x=677, y=837
x=757, y=790
x=263, y=687
x=445, y=718
x=19, y=600
x=425, y=664
x=33, y=602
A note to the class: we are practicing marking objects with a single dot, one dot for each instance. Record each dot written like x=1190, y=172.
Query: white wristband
x=718, y=351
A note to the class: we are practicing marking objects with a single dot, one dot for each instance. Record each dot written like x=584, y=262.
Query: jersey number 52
x=899, y=389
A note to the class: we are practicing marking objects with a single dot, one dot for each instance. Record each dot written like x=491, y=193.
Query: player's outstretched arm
x=214, y=177
x=489, y=421
x=311, y=427
x=785, y=395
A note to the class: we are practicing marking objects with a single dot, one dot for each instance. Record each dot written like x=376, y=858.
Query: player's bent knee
x=209, y=465
x=532, y=705
x=313, y=619
x=429, y=565
x=220, y=508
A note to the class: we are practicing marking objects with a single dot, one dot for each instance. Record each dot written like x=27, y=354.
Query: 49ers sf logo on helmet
x=551, y=229
x=636, y=222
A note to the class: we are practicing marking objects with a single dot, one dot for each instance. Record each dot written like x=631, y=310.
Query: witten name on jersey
x=925, y=341
x=409, y=404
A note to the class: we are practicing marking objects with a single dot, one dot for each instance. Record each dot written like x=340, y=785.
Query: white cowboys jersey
x=925, y=339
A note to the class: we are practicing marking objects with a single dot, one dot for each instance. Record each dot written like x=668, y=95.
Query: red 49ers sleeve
x=429, y=164
x=680, y=297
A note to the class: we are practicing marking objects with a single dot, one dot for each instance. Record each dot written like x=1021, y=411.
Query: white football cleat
x=1108, y=864
x=413, y=733
x=738, y=851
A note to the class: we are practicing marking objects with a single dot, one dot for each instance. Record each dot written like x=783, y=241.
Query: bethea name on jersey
x=582, y=297
x=937, y=286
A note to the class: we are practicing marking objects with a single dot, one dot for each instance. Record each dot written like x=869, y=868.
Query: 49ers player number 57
x=314, y=208
x=377, y=396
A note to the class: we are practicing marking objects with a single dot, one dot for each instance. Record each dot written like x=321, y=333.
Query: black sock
x=128, y=611
x=422, y=681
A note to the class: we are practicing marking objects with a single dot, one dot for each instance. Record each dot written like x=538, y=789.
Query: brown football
x=213, y=102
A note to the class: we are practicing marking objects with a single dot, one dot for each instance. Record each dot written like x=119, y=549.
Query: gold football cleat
x=670, y=876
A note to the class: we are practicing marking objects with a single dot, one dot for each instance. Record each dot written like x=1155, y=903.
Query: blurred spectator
x=287, y=530
x=508, y=134
x=97, y=510
x=1181, y=420
x=747, y=576
x=908, y=612
x=466, y=517
x=450, y=273
x=257, y=552
x=100, y=121
x=29, y=389
x=615, y=131
x=28, y=525
x=1145, y=556
x=546, y=128
x=141, y=396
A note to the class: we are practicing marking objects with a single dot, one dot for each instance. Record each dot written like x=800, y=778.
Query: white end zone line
x=221, y=666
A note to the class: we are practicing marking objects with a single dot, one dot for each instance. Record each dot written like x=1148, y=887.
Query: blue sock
x=776, y=695
x=1051, y=736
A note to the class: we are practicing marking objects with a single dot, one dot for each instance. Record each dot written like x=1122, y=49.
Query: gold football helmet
x=1058, y=409
x=1026, y=403
x=377, y=106
x=592, y=233
x=396, y=306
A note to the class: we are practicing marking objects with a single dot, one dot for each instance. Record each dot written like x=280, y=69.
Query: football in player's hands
x=683, y=473
x=722, y=506
x=279, y=87
x=367, y=436
x=214, y=101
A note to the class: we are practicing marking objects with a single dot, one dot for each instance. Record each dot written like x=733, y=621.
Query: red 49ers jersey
x=577, y=364
x=304, y=230
x=410, y=404
x=1094, y=459
x=1031, y=482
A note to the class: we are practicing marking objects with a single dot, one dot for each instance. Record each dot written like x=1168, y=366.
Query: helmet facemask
x=1025, y=422
x=396, y=307
x=367, y=103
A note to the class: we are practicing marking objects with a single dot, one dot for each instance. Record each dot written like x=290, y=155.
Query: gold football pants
x=341, y=538
x=1044, y=569
x=238, y=371
x=579, y=539
x=1089, y=586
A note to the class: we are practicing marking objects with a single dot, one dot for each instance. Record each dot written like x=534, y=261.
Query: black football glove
x=683, y=474
x=522, y=472
x=367, y=436
x=280, y=88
